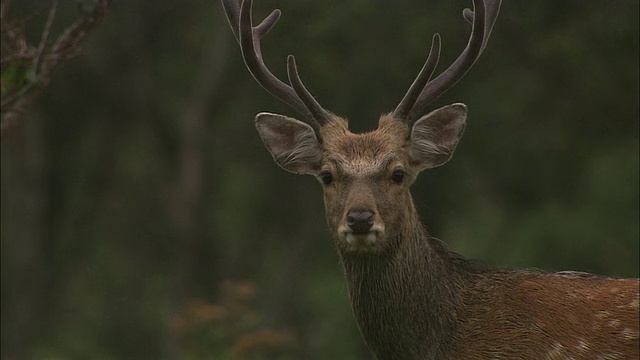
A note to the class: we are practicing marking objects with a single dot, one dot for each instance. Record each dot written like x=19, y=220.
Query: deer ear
x=292, y=143
x=435, y=136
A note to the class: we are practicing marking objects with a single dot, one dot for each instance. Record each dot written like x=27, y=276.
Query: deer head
x=366, y=177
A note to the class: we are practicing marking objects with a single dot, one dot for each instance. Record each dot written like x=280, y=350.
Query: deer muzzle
x=361, y=229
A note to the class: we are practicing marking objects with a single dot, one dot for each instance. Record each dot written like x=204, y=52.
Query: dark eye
x=326, y=177
x=397, y=176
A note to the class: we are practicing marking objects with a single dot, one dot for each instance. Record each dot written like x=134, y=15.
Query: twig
x=16, y=102
x=44, y=39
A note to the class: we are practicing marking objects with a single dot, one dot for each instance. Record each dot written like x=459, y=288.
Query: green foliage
x=14, y=77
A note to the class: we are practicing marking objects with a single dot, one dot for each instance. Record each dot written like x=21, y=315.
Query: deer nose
x=360, y=221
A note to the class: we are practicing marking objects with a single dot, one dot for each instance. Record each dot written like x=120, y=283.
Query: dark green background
x=143, y=219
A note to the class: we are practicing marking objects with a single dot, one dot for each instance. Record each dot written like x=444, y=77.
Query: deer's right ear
x=292, y=143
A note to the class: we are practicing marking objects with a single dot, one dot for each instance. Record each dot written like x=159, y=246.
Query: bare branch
x=44, y=38
x=22, y=90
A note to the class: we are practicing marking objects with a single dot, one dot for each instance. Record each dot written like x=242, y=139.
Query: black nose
x=360, y=221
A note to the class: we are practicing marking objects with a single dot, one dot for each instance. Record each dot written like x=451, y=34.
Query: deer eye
x=397, y=176
x=326, y=177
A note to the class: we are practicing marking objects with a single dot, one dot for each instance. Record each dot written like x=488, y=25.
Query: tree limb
x=27, y=70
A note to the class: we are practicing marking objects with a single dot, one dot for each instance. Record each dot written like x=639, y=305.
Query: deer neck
x=390, y=291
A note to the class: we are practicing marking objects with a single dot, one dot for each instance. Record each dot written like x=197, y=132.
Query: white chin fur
x=359, y=240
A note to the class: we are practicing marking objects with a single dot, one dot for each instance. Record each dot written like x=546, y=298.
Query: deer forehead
x=369, y=152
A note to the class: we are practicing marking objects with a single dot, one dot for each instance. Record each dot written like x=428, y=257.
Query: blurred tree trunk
x=185, y=209
x=24, y=206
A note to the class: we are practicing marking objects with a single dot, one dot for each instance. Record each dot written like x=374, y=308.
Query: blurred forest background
x=143, y=219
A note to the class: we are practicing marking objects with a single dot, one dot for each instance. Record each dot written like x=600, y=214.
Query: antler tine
x=232, y=10
x=248, y=36
x=482, y=19
x=402, y=110
x=321, y=115
x=491, y=8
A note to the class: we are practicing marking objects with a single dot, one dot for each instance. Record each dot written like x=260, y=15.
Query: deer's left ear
x=435, y=136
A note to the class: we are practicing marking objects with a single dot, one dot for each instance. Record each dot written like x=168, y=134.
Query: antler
x=248, y=36
x=423, y=91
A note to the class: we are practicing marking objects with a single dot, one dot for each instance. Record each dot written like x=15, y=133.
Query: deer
x=411, y=297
